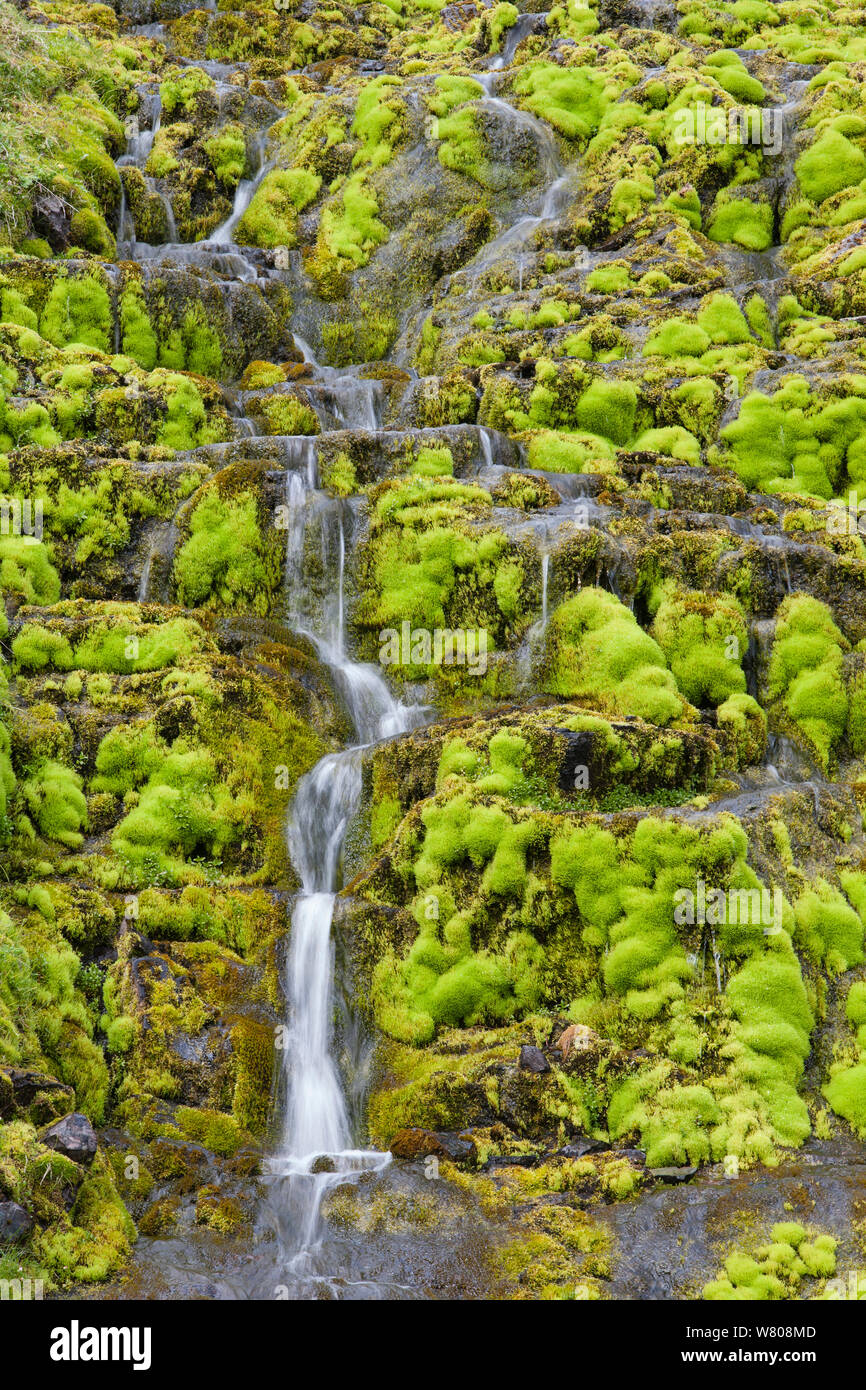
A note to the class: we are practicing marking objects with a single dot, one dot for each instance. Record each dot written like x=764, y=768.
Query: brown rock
x=576, y=1038
x=422, y=1143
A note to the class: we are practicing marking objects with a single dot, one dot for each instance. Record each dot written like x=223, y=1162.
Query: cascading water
x=244, y=194
x=315, y=1149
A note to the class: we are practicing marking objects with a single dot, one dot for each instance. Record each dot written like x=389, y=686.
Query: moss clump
x=227, y=152
x=704, y=638
x=609, y=409
x=271, y=218
x=676, y=337
x=96, y=1238
x=222, y=562
x=56, y=803
x=184, y=809
x=88, y=229
x=572, y=99
x=425, y=565
x=806, y=672
x=77, y=310
x=832, y=163
x=855, y=1004
x=452, y=92
x=26, y=570
x=284, y=414
x=597, y=650
x=443, y=982
x=743, y=222
x=186, y=424
x=138, y=337
x=350, y=228
x=218, y=1132
x=180, y=87
x=846, y=1092
x=502, y=17
x=741, y=718
x=122, y=646
x=828, y=928
x=794, y=442
x=777, y=1269
x=570, y=453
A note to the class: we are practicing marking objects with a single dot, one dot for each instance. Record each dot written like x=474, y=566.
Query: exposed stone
x=635, y=1156
x=424, y=1143
x=15, y=1223
x=579, y=1147
x=576, y=1038
x=672, y=1175
x=73, y=1136
x=533, y=1059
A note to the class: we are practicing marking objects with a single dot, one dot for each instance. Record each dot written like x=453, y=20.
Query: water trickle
x=305, y=349
x=138, y=147
x=343, y=401
x=717, y=959
x=244, y=194
x=524, y=25
x=486, y=448
x=171, y=225
x=157, y=585
x=315, y=1117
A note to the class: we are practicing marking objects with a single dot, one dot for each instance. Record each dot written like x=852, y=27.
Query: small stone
x=576, y=1038
x=323, y=1164
x=73, y=1136
x=533, y=1059
x=15, y=1223
x=582, y=1145
x=512, y=1160
x=637, y=1156
x=672, y=1174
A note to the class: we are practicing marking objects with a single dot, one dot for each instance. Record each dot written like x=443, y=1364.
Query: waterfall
x=161, y=548
x=138, y=147
x=244, y=194
x=315, y=1148
x=345, y=402
x=516, y=34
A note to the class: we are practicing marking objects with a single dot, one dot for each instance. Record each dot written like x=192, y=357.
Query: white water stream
x=316, y=1149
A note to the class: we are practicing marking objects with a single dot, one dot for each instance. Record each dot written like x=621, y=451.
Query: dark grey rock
x=15, y=1223
x=581, y=1145
x=533, y=1059
x=73, y=1136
